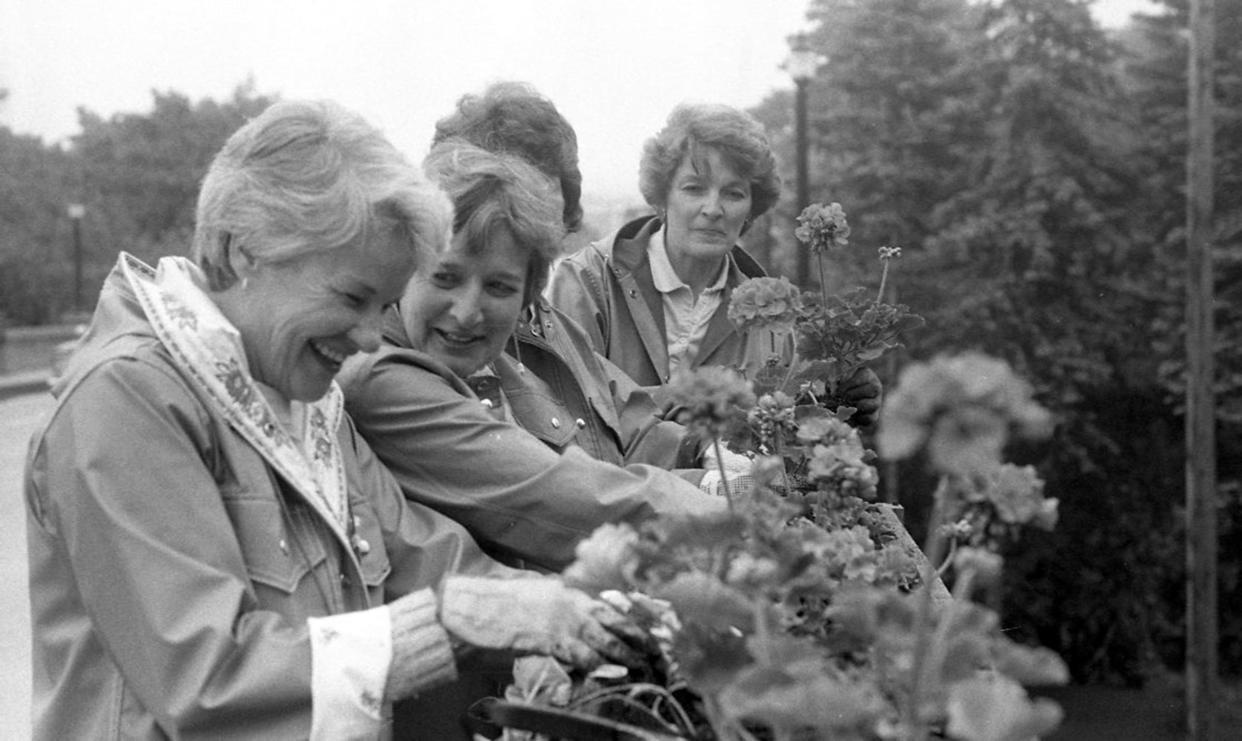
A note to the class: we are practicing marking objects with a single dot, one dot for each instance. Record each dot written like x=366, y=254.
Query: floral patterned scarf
x=208, y=350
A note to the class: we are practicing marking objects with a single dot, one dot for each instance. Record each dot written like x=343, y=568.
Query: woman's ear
x=241, y=262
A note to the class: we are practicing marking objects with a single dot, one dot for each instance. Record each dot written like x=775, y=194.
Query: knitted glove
x=538, y=615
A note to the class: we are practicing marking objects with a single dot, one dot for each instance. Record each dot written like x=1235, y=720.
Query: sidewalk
x=27, y=382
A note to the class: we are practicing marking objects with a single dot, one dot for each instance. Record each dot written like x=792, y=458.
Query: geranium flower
x=821, y=227
x=963, y=408
x=772, y=418
x=1017, y=493
x=711, y=397
x=841, y=466
x=996, y=708
x=606, y=559
x=765, y=303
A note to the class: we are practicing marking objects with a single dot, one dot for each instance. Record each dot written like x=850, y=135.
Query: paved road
x=19, y=416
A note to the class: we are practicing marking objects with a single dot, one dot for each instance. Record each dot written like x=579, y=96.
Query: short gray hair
x=305, y=177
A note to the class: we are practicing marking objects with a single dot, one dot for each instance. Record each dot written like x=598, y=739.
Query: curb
x=24, y=383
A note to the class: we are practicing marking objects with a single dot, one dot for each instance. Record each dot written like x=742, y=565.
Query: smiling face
x=300, y=319
x=462, y=305
x=707, y=205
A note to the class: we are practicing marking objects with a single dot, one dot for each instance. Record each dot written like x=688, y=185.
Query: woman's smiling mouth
x=457, y=339
x=333, y=358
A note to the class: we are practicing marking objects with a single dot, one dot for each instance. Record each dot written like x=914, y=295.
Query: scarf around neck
x=208, y=349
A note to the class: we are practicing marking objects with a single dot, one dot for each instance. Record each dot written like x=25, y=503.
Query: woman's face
x=462, y=306
x=707, y=205
x=300, y=319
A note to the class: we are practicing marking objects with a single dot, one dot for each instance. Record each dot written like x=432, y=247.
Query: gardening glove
x=539, y=615
x=862, y=390
x=735, y=464
x=736, y=471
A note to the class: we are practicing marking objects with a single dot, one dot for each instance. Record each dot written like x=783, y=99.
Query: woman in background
x=654, y=296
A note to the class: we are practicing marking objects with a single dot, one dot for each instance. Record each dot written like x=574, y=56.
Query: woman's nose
x=712, y=205
x=368, y=334
x=467, y=308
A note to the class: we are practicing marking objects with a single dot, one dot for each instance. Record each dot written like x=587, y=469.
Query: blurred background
x=1028, y=156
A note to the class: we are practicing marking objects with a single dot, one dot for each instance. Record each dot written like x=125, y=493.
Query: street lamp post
x=802, y=65
x=76, y=212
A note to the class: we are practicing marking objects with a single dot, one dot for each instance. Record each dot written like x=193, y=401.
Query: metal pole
x=1201, y=538
x=77, y=264
x=804, y=255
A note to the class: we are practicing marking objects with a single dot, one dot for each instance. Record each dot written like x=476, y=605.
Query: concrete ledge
x=31, y=382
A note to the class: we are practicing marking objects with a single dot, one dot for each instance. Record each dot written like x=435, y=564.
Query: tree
x=141, y=171
x=35, y=284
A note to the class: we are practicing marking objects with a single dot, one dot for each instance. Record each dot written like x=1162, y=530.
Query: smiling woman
x=208, y=534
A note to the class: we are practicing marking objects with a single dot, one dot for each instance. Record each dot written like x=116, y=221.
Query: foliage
x=1031, y=165
x=136, y=174
x=790, y=615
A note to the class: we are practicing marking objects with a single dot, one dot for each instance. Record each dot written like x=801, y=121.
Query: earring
x=245, y=283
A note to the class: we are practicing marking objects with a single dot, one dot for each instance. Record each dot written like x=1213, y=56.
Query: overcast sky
x=613, y=67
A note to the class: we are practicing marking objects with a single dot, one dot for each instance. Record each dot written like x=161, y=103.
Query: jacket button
x=580, y=422
x=362, y=546
x=633, y=293
x=344, y=581
x=556, y=423
x=284, y=546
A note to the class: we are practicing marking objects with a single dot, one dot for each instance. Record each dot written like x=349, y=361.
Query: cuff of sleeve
x=350, y=657
x=422, y=652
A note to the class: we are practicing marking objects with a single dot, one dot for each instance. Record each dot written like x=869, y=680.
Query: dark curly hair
x=514, y=118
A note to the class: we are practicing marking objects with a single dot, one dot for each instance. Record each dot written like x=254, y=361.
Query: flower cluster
x=711, y=397
x=772, y=420
x=765, y=303
x=821, y=227
x=964, y=408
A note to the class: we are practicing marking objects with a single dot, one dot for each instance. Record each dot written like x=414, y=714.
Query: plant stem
x=724, y=480
x=883, y=279
x=823, y=282
x=911, y=719
x=793, y=356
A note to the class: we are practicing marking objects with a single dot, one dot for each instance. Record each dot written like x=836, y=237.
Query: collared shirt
x=685, y=319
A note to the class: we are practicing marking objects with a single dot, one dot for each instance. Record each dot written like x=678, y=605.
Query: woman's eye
x=354, y=300
x=443, y=280
x=502, y=290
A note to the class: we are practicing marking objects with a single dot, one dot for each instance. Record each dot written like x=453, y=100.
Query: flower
x=888, y=253
x=765, y=303
x=772, y=418
x=821, y=227
x=1017, y=493
x=605, y=560
x=711, y=397
x=842, y=467
x=963, y=408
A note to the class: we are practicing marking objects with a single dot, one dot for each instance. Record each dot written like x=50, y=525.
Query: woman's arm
x=511, y=491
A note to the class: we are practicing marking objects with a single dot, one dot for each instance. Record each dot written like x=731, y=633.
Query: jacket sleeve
x=515, y=495
x=128, y=495
x=577, y=289
x=647, y=436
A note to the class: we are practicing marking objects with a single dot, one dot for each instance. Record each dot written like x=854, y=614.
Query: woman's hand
x=540, y=615
x=862, y=390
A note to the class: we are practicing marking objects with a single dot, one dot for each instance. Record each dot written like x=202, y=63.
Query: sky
x=614, y=68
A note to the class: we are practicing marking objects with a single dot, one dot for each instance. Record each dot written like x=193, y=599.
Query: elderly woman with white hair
x=214, y=551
